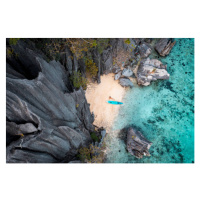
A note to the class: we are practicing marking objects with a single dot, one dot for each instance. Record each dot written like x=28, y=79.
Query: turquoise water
x=164, y=111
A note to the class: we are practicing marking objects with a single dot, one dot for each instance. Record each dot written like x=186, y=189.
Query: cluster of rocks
x=123, y=75
x=153, y=69
x=143, y=68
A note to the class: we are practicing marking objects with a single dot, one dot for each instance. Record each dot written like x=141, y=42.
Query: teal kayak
x=115, y=102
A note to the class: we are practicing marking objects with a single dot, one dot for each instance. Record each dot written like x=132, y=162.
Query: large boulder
x=127, y=72
x=151, y=70
x=125, y=82
x=164, y=46
x=46, y=120
x=137, y=144
x=144, y=50
x=118, y=75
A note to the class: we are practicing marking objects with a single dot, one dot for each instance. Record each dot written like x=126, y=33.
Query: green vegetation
x=82, y=48
x=78, y=80
x=91, y=154
x=127, y=41
x=133, y=46
x=13, y=41
x=80, y=45
x=102, y=43
x=52, y=47
x=9, y=52
x=94, y=137
x=91, y=67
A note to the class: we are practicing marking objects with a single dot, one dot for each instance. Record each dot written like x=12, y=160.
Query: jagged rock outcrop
x=125, y=82
x=151, y=70
x=103, y=134
x=164, y=46
x=118, y=75
x=144, y=50
x=137, y=144
x=107, y=61
x=127, y=72
x=47, y=121
x=148, y=40
x=116, y=69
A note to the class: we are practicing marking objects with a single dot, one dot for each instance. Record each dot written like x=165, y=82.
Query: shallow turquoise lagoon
x=164, y=111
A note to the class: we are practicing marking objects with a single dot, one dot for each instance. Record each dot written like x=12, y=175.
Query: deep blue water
x=164, y=111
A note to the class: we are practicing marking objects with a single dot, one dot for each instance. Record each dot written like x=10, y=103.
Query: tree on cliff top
x=80, y=45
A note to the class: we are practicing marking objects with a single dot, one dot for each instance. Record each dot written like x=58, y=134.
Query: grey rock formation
x=103, y=134
x=116, y=69
x=66, y=60
x=75, y=161
x=54, y=119
x=117, y=44
x=148, y=40
x=144, y=50
x=127, y=72
x=107, y=61
x=132, y=46
x=138, y=41
x=164, y=46
x=125, y=82
x=137, y=144
x=75, y=66
x=151, y=70
x=118, y=75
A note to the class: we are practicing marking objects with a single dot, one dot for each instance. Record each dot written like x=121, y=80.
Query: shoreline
x=98, y=94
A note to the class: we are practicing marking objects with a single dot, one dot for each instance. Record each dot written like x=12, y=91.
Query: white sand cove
x=98, y=94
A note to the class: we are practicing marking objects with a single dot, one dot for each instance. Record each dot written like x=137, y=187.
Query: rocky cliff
x=47, y=120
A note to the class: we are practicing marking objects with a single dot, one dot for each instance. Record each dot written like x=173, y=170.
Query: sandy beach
x=98, y=94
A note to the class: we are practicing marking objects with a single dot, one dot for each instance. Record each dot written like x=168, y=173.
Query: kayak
x=115, y=102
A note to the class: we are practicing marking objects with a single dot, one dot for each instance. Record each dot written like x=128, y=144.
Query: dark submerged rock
x=164, y=46
x=137, y=144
